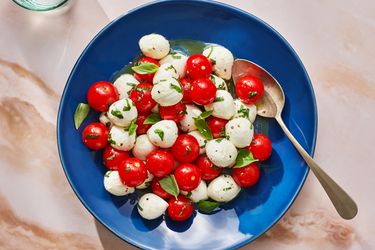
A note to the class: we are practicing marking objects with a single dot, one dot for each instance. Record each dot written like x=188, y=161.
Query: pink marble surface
x=38, y=209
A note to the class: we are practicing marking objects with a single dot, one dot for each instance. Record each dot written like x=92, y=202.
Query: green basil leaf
x=117, y=113
x=219, y=99
x=208, y=206
x=252, y=94
x=128, y=106
x=203, y=128
x=206, y=114
x=169, y=185
x=244, y=158
x=152, y=119
x=145, y=68
x=160, y=133
x=133, y=127
x=177, y=88
x=210, y=52
x=80, y=114
x=243, y=112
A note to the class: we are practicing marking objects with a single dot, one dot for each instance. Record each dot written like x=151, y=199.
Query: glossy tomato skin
x=188, y=176
x=198, y=66
x=132, y=172
x=158, y=190
x=186, y=84
x=95, y=136
x=146, y=77
x=260, y=147
x=185, y=149
x=141, y=96
x=249, y=89
x=217, y=126
x=202, y=91
x=112, y=158
x=160, y=163
x=246, y=176
x=175, y=112
x=101, y=95
x=208, y=170
x=180, y=209
x=142, y=128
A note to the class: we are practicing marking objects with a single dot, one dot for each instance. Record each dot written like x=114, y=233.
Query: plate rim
x=209, y=2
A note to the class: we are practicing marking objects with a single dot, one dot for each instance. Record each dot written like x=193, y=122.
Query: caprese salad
x=172, y=128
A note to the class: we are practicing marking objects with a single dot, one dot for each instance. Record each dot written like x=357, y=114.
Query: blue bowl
x=256, y=209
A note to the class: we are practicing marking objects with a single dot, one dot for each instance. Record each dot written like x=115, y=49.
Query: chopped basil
x=127, y=170
x=243, y=112
x=117, y=113
x=110, y=158
x=221, y=86
x=177, y=88
x=152, y=119
x=207, y=206
x=182, y=112
x=132, y=128
x=110, y=141
x=145, y=68
x=182, y=210
x=205, y=114
x=170, y=67
x=222, y=132
x=188, y=150
x=139, y=88
x=219, y=140
x=219, y=99
x=252, y=94
x=139, y=207
x=107, y=173
x=213, y=62
x=175, y=56
x=80, y=114
x=210, y=52
x=160, y=133
x=227, y=188
x=244, y=158
x=216, y=168
x=91, y=136
x=127, y=107
x=189, y=194
x=169, y=185
x=203, y=128
x=213, y=79
x=131, y=84
x=108, y=124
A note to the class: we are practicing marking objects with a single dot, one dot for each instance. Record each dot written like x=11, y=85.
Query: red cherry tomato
x=202, y=91
x=112, y=158
x=180, y=209
x=208, y=170
x=249, y=89
x=198, y=66
x=141, y=96
x=158, y=190
x=95, y=136
x=101, y=95
x=132, y=172
x=142, y=128
x=185, y=149
x=146, y=77
x=186, y=84
x=217, y=126
x=246, y=176
x=187, y=176
x=175, y=112
x=261, y=147
x=160, y=163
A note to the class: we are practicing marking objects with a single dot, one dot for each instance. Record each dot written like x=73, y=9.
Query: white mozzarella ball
x=223, y=105
x=155, y=109
x=219, y=82
x=165, y=72
x=177, y=60
x=223, y=188
x=154, y=46
x=147, y=182
x=187, y=123
x=124, y=84
x=198, y=194
x=120, y=138
x=114, y=185
x=167, y=93
x=150, y=206
x=240, y=132
x=222, y=59
x=248, y=111
x=201, y=141
x=122, y=112
x=143, y=147
x=103, y=118
x=221, y=152
x=163, y=133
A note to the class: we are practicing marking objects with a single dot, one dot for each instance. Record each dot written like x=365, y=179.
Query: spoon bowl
x=271, y=105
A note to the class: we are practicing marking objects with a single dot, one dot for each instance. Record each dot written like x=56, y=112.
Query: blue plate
x=256, y=209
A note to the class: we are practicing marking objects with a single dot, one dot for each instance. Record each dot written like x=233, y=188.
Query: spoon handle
x=343, y=203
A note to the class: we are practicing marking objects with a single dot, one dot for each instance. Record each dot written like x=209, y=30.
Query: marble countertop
x=38, y=209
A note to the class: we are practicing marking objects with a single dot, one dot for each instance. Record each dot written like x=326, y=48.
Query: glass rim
x=40, y=9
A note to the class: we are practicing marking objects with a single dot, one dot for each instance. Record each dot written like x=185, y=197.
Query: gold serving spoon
x=271, y=105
